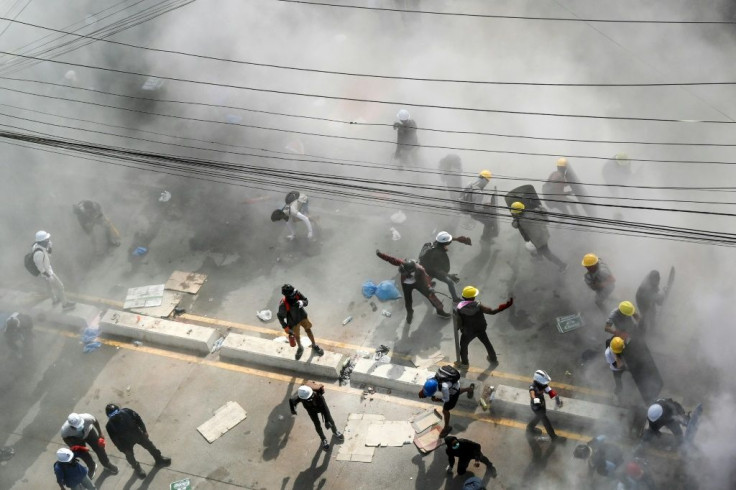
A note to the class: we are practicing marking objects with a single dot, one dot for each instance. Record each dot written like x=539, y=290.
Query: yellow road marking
x=342, y=345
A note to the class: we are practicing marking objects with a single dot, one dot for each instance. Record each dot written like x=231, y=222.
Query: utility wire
x=362, y=75
x=513, y=17
x=373, y=101
x=366, y=124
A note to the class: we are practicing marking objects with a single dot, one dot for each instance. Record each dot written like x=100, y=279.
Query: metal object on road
x=569, y=323
x=347, y=320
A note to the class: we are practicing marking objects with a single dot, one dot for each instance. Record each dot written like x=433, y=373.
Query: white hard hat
x=542, y=377
x=42, y=235
x=71, y=75
x=64, y=455
x=305, y=392
x=403, y=115
x=443, y=237
x=655, y=412
x=75, y=420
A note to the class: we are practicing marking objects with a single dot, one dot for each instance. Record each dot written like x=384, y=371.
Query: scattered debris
x=354, y=448
x=144, y=296
x=226, y=417
x=385, y=313
x=179, y=311
x=217, y=345
x=380, y=352
x=364, y=354
x=137, y=343
x=92, y=346
x=265, y=315
x=369, y=289
x=6, y=452
x=347, y=320
x=345, y=371
x=186, y=282
x=425, y=420
x=164, y=197
x=395, y=235
x=374, y=307
x=429, y=440
x=569, y=323
x=387, y=290
x=398, y=217
x=140, y=251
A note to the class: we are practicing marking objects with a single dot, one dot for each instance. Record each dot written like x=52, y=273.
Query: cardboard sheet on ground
x=424, y=421
x=569, y=323
x=168, y=302
x=186, y=282
x=144, y=296
x=389, y=433
x=226, y=417
x=429, y=440
x=353, y=447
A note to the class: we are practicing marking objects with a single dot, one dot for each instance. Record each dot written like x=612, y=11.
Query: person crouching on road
x=413, y=276
x=292, y=317
x=472, y=323
x=465, y=450
x=537, y=390
x=313, y=399
x=533, y=229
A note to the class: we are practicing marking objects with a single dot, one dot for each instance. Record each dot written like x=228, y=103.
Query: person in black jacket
x=126, y=429
x=472, y=323
x=314, y=403
x=436, y=262
x=465, y=450
x=292, y=316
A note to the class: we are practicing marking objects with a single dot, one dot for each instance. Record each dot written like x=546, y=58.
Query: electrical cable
x=374, y=101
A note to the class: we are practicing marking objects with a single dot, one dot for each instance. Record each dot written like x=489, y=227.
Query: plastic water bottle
x=386, y=313
x=347, y=320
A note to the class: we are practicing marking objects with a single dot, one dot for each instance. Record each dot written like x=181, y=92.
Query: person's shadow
x=277, y=429
x=308, y=477
x=539, y=458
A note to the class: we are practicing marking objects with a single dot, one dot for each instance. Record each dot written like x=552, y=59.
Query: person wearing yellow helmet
x=471, y=322
x=532, y=225
x=614, y=358
x=598, y=278
x=623, y=320
x=556, y=188
x=472, y=201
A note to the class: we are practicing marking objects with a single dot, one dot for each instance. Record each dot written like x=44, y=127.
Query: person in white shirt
x=41, y=251
x=297, y=206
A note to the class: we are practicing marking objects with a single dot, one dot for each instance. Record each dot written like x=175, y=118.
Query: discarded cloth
x=369, y=289
x=387, y=290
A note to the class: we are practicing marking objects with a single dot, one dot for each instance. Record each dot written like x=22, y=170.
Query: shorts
x=450, y=404
x=304, y=323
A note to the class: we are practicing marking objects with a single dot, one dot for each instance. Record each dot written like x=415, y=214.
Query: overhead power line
x=374, y=101
x=364, y=75
x=512, y=17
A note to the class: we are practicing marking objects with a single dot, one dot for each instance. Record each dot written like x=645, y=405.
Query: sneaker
x=462, y=364
x=163, y=461
x=492, y=360
x=448, y=470
x=443, y=314
x=318, y=350
x=69, y=305
x=409, y=317
x=112, y=468
x=328, y=425
x=325, y=445
x=493, y=472
x=471, y=391
x=139, y=472
x=340, y=436
x=299, y=353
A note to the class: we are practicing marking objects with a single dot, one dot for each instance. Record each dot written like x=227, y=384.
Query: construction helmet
x=111, y=408
x=590, y=260
x=622, y=159
x=42, y=236
x=430, y=387
x=541, y=377
x=517, y=207
x=617, y=345
x=562, y=162
x=287, y=290
x=655, y=412
x=305, y=392
x=470, y=292
x=443, y=237
x=627, y=308
x=64, y=455
x=486, y=174
x=75, y=420
x=403, y=115
x=409, y=266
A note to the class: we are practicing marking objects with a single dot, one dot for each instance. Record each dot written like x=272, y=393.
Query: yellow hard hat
x=562, y=162
x=627, y=308
x=470, y=292
x=517, y=207
x=486, y=174
x=590, y=259
x=617, y=345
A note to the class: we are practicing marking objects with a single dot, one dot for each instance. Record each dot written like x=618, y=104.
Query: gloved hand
x=537, y=402
x=559, y=402
x=300, y=303
x=530, y=246
x=101, y=442
x=454, y=278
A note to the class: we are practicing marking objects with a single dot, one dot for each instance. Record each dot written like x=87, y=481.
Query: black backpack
x=425, y=248
x=447, y=374
x=30, y=264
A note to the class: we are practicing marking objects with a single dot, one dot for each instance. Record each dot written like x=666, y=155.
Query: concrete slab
x=404, y=379
x=159, y=331
x=279, y=355
x=81, y=317
x=226, y=417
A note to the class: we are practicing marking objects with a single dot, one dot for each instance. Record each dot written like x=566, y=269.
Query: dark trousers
x=408, y=289
x=86, y=457
x=545, y=252
x=542, y=415
x=92, y=439
x=147, y=444
x=468, y=337
x=329, y=423
x=451, y=286
x=462, y=464
x=617, y=379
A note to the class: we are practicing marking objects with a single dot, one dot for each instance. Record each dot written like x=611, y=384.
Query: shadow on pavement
x=279, y=425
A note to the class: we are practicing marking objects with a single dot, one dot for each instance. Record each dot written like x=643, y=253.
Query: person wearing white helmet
x=297, y=206
x=407, y=142
x=81, y=429
x=41, y=252
x=311, y=396
x=70, y=473
x=537, y=390
x=435, y=260
x=666, y=412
